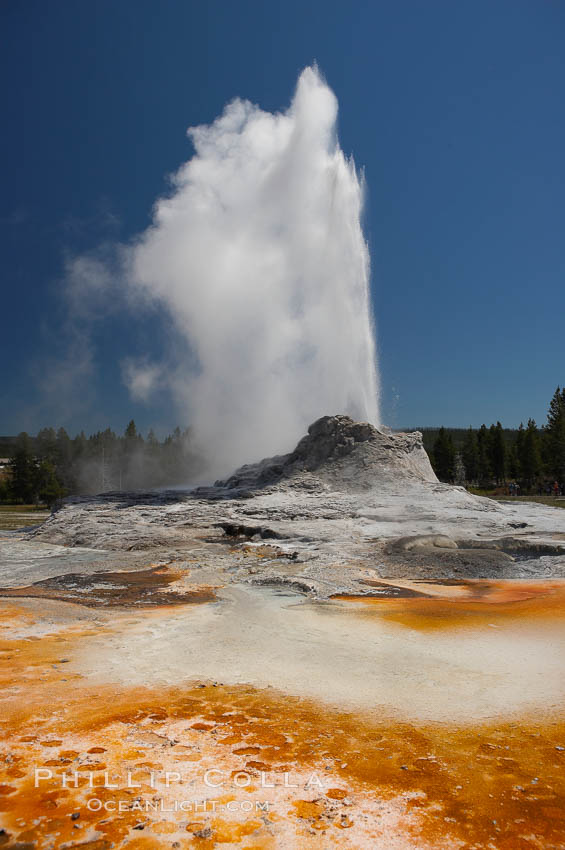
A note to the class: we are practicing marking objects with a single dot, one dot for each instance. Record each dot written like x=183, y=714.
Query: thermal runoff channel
x=259, y=257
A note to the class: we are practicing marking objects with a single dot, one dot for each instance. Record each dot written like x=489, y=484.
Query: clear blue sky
x=454, y=109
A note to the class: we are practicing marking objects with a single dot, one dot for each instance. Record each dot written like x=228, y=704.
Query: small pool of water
x=456, y=657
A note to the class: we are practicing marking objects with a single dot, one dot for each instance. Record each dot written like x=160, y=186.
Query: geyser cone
x=260, y=258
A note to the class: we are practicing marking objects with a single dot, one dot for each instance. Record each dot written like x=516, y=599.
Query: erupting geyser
x=260, y=258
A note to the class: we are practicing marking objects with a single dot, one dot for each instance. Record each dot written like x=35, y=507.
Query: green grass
x=500, y=496
x=13, y=517
x=23, y=508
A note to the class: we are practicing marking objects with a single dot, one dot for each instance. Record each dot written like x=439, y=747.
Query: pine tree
x=512, y=464
x=471, y=456
x=47, y=485
x=497, y=448
x=519, y=449
x=555, y=435
x=530, y=460
x=64, y=463
x=484, y=472
x=5, y=494
x=23, y=471
x=46, y=444
x=444, y=456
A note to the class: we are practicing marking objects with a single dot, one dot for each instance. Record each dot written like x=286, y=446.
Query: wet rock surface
x=155, y=586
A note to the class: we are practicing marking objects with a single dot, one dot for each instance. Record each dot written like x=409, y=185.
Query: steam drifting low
x=260, y=259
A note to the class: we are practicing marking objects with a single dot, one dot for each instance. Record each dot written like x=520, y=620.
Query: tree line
x=45, y=468
x=532, y=457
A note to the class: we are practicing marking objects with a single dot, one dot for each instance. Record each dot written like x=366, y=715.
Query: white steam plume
x=260, y=258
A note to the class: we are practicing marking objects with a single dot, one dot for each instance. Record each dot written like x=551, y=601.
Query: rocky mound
x=349, y=506
x=341, y=454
